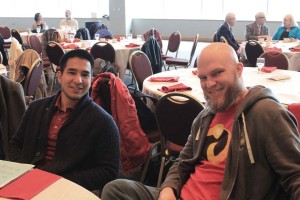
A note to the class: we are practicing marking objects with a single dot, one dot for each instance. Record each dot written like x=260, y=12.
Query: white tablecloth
x=294, y=57
x=122, y=52
x=287, y=91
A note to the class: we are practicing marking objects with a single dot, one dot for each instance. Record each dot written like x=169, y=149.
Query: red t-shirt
x=205, y=182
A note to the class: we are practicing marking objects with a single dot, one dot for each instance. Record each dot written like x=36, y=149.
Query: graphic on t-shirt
x=217, y=144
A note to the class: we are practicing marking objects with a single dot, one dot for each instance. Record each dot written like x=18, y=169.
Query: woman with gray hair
x=290, y=29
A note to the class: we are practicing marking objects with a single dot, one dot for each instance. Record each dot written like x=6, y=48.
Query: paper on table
x=9, y=171
x=279, y=77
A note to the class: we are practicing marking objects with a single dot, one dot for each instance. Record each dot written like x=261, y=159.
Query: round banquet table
x=287, y=91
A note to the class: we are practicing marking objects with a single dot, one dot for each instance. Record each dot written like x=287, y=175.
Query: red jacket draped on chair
x=135, y=145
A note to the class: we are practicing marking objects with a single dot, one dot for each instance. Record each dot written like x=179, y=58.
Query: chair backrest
x=83, y=34
x=35, y=44
x=295, y=109
x=1, y=58
x=223, y=39
x=16, y=34
x=253, y=50
x=276, y=58
x=92, y=27
x=174, y=42
x=215, y=39
x=140, y=66
x=5, y=32
x=54, y=52
x=33, y=78
x=155, y=33
x=175, y=113
x=103, y=50
x=195, y=43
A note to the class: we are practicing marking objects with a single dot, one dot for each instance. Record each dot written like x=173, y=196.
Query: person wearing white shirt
x=69, y=21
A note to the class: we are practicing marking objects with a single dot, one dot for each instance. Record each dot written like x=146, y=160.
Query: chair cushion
x=177, y=61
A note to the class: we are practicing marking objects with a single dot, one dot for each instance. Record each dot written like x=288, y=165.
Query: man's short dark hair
x=36, y=16
x=77, y=53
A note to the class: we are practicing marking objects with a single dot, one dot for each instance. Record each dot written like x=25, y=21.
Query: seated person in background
x=104, y=32
x=68, y=134
x=257, y=29
x=290, y=29
x=226, y=31
x=244, y=145
x=39, y=22
x=69, y=21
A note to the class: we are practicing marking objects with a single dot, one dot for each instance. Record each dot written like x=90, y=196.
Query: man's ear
x=59, y=74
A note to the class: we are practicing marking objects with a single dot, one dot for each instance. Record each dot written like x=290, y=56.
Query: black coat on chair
x=152, y=49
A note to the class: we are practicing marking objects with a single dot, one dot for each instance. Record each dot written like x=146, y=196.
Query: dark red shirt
x=56, y=123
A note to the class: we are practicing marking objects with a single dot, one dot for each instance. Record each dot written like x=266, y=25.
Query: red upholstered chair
x=173, y=46
x=175, y=113
x=54, y=52
x=182, y=62
x=276, y=59
x=295, y=109
x=253, y=50
x=155, y=33
x=6, y=34
x=32, y=80
x=140, y=66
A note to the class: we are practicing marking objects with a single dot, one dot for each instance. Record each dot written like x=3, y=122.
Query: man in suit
x=226, y=31
x=257, y=29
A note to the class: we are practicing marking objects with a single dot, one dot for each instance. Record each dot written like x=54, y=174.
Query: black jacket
x=87, y=148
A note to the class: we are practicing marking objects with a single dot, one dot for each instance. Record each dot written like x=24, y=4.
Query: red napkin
x=164, y=79
x=132, y=45
x=28, y=185
x=195, y=72
x=295, y=49
x=273, y=49
x=268, y=69
x=76, y=40
x=178, y=87
x=70, y=46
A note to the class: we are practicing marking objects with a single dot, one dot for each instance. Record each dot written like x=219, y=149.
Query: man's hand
x=167, y=194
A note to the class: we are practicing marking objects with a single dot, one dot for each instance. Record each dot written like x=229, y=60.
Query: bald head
x=217, y=52
x=68, y=14
x=220, y=75
x=230, y=19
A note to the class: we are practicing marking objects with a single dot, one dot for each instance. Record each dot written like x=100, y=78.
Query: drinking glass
x=38, y=29
x=260, y=62
x=97, y=36
x=71, y=37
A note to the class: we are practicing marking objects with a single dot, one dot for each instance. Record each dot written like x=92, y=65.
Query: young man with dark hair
x=68, y=134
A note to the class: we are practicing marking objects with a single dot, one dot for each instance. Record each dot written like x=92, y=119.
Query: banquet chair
x=173, y=46
x=140, y=66
x=253, y=50
x=175, y=113
x=215, y=39
x=181, y=62
x=36, y=45
x=276, y=59
x=54, y=52
x=223, y=39
x=295, y=109
x=1, y=58
x=106, y=52
x=32, y=80
x=16, y=34
x=6, y=34
x=155, y=33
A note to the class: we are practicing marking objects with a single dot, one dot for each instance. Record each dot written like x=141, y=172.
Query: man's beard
x=231, y=96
